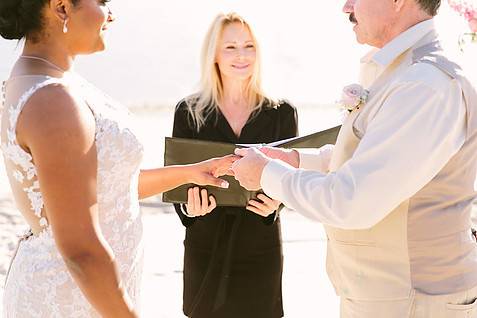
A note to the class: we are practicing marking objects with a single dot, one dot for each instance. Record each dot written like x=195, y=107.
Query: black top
x=233, y=260
x=269, y=125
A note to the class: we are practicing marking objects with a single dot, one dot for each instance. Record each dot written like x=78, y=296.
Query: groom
x=395, y=192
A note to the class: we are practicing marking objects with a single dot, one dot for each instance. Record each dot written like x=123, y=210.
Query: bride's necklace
x=45, y=61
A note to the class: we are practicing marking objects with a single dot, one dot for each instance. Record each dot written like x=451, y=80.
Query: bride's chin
x=100, y=46
x=91, y=52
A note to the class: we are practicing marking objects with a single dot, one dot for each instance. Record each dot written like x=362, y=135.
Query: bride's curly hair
x=22, y=18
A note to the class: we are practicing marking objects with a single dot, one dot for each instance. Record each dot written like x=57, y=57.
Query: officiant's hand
x=248, y=170
x=208, y=172
x=264, y=208
x=289, y=156
x=198, y=203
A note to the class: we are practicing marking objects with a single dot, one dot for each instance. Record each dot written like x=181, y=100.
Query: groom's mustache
x=352, y=18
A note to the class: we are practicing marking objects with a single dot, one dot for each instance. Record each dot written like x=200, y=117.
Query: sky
x=153, y=47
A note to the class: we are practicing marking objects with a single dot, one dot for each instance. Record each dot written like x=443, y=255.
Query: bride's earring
x=65, y=26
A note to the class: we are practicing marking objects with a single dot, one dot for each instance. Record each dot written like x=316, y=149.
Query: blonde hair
x=202, y=104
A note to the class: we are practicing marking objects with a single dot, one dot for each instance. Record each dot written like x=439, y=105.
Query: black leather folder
x=180, y=151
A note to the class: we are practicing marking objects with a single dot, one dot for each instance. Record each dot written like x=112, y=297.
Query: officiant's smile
x=236, y=54
x=240, y=67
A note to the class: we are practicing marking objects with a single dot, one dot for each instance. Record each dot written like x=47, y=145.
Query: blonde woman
x=233, y=258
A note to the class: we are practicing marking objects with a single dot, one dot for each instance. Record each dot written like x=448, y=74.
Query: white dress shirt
x=420, y=125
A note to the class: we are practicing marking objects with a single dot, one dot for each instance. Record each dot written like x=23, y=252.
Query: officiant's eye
x=230, y=47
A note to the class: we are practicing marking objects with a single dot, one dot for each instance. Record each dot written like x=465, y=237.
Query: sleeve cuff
x=316, y=159
x=308, y=157
x=272, y=176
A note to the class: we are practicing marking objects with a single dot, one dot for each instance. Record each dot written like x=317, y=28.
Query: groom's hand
x=248, y=170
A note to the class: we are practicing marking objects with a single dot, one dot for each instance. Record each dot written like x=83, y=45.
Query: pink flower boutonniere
x=468, y=10
x=353, y=97
x=473, y=25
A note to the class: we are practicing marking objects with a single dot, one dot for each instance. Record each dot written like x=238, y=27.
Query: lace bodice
x=38, y=271
x=25, y=172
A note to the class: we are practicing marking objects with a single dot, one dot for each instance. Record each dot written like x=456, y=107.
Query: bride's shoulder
x=53, y=111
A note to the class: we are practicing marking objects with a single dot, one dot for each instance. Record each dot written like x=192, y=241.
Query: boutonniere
x=468, y=11
x=353, y=97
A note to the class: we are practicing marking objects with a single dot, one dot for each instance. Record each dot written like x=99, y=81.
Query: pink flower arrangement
x=467, y=9
x=353, y=96
x=473, y=25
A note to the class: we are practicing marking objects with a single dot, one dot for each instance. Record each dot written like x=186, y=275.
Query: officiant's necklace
x=44, y=60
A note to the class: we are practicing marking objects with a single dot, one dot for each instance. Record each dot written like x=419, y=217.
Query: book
x=179, y=151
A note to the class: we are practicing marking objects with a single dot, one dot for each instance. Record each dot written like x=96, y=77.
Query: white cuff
x=272, y=176
x=316, y=159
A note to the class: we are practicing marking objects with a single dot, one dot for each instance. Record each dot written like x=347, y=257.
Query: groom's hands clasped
x=248, y=170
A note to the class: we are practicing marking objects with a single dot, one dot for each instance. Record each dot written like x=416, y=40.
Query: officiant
x=233, y=257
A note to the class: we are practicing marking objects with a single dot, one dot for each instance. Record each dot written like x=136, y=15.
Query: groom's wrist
x=272, y=176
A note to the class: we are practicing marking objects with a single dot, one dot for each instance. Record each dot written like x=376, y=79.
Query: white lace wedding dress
x=39, y=284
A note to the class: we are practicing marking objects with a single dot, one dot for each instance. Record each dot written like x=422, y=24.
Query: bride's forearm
x=98, y=279
x=155, y=181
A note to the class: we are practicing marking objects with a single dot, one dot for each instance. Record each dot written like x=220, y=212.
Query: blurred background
x=309, y=54
x=152, y=61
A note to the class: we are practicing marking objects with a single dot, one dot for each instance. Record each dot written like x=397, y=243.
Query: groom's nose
x=349, y=6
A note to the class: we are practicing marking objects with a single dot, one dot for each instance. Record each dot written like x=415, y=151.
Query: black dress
x=233, y=257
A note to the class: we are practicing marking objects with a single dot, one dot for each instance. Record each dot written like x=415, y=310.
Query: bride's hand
x=289, y=156
x=207, y=172
x=198, y=202
x=264, y=208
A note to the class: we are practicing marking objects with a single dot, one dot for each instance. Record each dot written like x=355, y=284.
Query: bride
x=73, y=165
